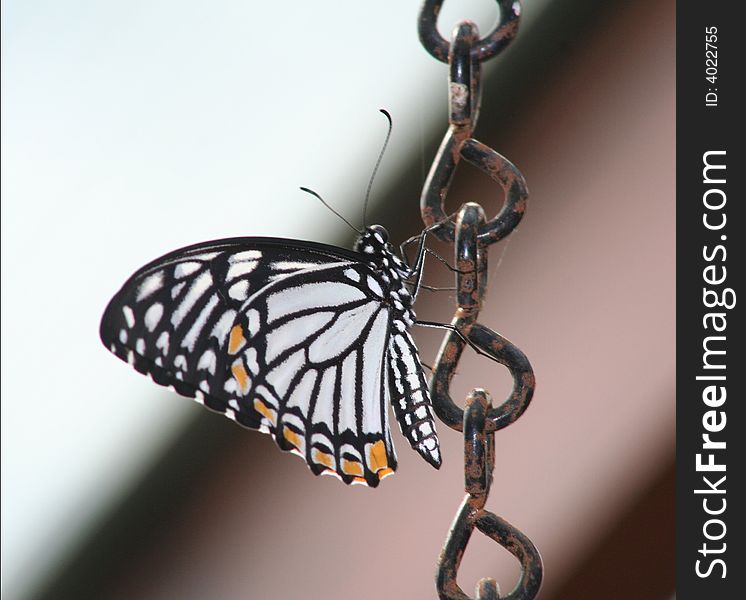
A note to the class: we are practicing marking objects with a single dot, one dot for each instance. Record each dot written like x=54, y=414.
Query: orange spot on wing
x=242, y=377
x=265, y=410
x=377, y=456
x=351, y=467
x=292, y=437
x=322, y=458
x=236, y=339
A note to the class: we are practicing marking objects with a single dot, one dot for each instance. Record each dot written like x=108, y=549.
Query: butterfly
x=305, y=341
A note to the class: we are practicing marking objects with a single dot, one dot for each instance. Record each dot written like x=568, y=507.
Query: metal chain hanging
x=471, y=236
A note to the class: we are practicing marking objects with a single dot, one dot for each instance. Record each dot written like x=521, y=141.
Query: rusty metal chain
x=471, y=235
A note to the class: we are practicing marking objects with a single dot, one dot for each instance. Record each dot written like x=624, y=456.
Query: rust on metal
x=483, y=49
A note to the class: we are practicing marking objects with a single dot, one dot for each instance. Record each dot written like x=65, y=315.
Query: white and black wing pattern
x=292, y=338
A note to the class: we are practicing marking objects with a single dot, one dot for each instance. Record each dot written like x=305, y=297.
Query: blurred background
x=133, y=128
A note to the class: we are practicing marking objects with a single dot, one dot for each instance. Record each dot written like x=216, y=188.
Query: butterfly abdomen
x=411, y=399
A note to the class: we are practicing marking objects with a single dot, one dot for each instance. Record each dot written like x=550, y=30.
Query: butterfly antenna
x=378, y=163
x=331, y=209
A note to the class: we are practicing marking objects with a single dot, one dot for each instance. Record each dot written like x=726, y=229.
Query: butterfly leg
x=455, y=330
x=416, y=270
x=430, y=288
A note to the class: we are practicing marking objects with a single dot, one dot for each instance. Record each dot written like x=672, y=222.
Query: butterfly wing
x=308, y=361
x=286, y=337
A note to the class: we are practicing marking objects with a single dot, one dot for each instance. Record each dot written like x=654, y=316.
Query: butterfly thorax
x=374, y=245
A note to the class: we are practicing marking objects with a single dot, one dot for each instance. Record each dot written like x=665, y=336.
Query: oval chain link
x=472, y=234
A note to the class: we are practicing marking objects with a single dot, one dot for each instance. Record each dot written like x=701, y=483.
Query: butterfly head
x=374, y=240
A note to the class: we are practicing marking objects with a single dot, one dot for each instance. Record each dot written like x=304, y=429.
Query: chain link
x=481, y=49
x=472, y=234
